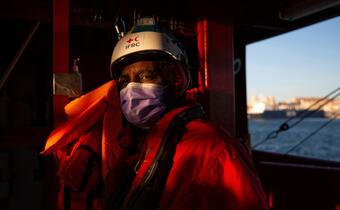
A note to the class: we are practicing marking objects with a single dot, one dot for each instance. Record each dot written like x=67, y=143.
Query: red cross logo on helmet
x=132, y=39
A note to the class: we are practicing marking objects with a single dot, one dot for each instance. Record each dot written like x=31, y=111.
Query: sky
x=301, y=63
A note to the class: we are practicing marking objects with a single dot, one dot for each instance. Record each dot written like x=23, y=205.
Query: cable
x=311, y=134
x=285, y=126
x=313, y=111
x=18, y=55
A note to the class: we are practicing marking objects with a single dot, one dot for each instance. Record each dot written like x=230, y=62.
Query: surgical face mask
x=142, y=103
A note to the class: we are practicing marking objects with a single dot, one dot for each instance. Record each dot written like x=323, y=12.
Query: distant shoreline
x=284, y=114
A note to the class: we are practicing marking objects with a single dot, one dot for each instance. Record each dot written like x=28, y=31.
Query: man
x=167, y=155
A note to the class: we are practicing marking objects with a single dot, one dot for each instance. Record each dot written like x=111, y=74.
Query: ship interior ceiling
x=27, y=49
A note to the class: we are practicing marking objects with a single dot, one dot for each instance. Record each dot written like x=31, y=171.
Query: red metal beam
x=215, y=45
x=60, y=65
x=60, y=52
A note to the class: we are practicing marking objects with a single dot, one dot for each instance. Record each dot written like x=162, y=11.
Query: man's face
x=141, y=72
x=167, y=73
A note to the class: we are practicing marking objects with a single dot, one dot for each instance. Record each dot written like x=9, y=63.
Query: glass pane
x=293, y=82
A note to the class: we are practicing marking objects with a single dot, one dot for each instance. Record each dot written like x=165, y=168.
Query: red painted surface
x=60, y=52
x=203, y=68
x=216, y=78
x=270, y=200
x=202, y=49
x=60, y=65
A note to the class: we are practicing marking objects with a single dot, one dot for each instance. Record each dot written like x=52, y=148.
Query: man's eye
x=146, y=77
x=123, y=82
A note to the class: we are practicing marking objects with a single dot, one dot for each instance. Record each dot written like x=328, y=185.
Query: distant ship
x=273, y=114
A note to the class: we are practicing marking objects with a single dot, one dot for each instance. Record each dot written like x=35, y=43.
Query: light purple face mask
x=142, y=103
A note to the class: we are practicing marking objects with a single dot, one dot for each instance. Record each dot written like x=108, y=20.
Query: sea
x=310, y=137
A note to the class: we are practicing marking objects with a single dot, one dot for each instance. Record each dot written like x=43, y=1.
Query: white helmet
x=146, y=39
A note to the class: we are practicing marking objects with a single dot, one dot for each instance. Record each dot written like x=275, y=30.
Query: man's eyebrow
x=153, y=71
x=148, y=70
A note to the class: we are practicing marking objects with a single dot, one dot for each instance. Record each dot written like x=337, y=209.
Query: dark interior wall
x=25, y=104
x=25, y=95
x=93, y=47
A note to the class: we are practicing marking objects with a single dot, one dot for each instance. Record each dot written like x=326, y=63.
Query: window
x=287, y=78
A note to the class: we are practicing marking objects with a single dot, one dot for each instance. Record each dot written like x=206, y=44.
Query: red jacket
x=207, y=170
x=210, y=171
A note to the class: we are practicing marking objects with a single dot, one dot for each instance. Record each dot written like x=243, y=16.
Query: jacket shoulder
x=206, y=139
x=202, y=130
